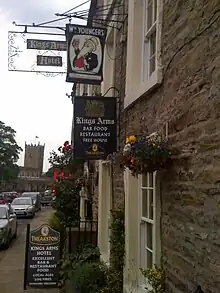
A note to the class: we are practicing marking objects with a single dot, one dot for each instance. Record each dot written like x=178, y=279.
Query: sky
x=34, y=105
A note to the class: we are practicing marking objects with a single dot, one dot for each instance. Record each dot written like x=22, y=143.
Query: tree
x=9, y=153
x=49, y=172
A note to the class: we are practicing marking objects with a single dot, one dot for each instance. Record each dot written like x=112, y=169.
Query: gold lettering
x=44, y=238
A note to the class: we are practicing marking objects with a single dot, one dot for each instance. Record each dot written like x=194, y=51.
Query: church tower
x=34, y=157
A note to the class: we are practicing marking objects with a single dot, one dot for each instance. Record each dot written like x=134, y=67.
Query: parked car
x=36, y=197
x=8, y=225
x=46, y=198
x=23, y=207
x=7, y=197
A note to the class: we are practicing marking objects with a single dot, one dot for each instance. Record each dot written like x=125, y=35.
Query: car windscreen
x=31, y=195
x=22, y=201
x=3, y=213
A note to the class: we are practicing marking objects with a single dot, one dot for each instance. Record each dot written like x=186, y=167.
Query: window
x=150, y=32
x=144, y=58
x=149, y=222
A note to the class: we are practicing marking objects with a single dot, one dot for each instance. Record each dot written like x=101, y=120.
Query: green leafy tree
x=49, y=172
x=9, y=153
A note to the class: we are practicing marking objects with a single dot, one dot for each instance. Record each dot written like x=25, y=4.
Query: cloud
x=37, y=11
x=33, y=104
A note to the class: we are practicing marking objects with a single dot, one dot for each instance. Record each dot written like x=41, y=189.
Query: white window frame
x=147, y=37
x=138, y=80
x=145, y=220
x=105, y=201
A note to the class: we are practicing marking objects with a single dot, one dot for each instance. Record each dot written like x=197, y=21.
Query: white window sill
x=143, y=88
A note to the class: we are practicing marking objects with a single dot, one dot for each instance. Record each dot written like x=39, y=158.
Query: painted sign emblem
x=85, y=52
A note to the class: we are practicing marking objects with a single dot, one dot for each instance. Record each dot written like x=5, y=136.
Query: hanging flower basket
x=147, y=154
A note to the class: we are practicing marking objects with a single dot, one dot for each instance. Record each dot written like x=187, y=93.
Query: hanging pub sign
x=43, y=60
x=85, y=53
x=50, y=45
x=95, y=127
x=42, y=257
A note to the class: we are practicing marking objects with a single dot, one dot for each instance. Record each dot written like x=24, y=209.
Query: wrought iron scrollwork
x=16, y=48
x=13, y=50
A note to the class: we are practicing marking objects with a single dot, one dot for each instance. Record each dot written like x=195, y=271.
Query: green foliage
x=85, y=254
x=67, y=190
x=55, y=222
x=156, y=277
x=89, y=277
x=117, y=241
x=64, y=160
x=49, y=172
x=146, y=154
x=67, y=201
x=9, y=153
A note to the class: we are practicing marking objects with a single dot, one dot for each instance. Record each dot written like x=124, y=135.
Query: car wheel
x=7, y=244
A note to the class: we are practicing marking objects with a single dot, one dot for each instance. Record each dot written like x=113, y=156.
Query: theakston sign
x=85, y=53
x=95, y=127
x=43, y=257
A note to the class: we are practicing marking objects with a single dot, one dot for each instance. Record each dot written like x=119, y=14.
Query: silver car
x=8, y=225
x=23, y=207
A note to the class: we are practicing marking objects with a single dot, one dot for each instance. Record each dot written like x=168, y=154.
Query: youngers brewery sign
x=42, y=257
x=95, y=127
x=85, y=53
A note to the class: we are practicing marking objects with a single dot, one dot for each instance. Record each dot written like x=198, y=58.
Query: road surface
x=12, y=260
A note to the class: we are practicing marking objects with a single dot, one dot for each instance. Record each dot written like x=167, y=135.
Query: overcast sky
x=32, y=104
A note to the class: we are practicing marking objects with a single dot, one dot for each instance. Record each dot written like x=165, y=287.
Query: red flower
x=66, y=143
x=132, y=160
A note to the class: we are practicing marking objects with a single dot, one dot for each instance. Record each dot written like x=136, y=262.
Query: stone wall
x=120, y=77
x=189, y=101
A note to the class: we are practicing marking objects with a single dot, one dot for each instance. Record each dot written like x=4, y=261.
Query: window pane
x=152, y=65
x=152, y=44
x=155, y=10
x=149, y=14
x=149, y=236
x=144, y=203
x=151, y=179
x=149, y=259
x=145, y=60
x=144, y=180
x=150, y=204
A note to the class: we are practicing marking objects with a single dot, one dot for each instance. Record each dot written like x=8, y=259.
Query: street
x=12, y=260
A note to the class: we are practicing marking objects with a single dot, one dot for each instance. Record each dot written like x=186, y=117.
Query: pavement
x=12, y=260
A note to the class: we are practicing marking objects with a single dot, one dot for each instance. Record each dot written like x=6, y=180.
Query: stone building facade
x=182, y=96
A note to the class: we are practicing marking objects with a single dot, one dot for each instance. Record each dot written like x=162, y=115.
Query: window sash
x=147, y=237
x=150, y=32
x=148, y=25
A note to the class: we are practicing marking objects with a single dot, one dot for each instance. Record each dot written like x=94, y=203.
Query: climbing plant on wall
x=67, y=185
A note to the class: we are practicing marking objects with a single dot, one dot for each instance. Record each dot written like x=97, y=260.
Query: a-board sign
x=43, y=257
x=43, y=60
